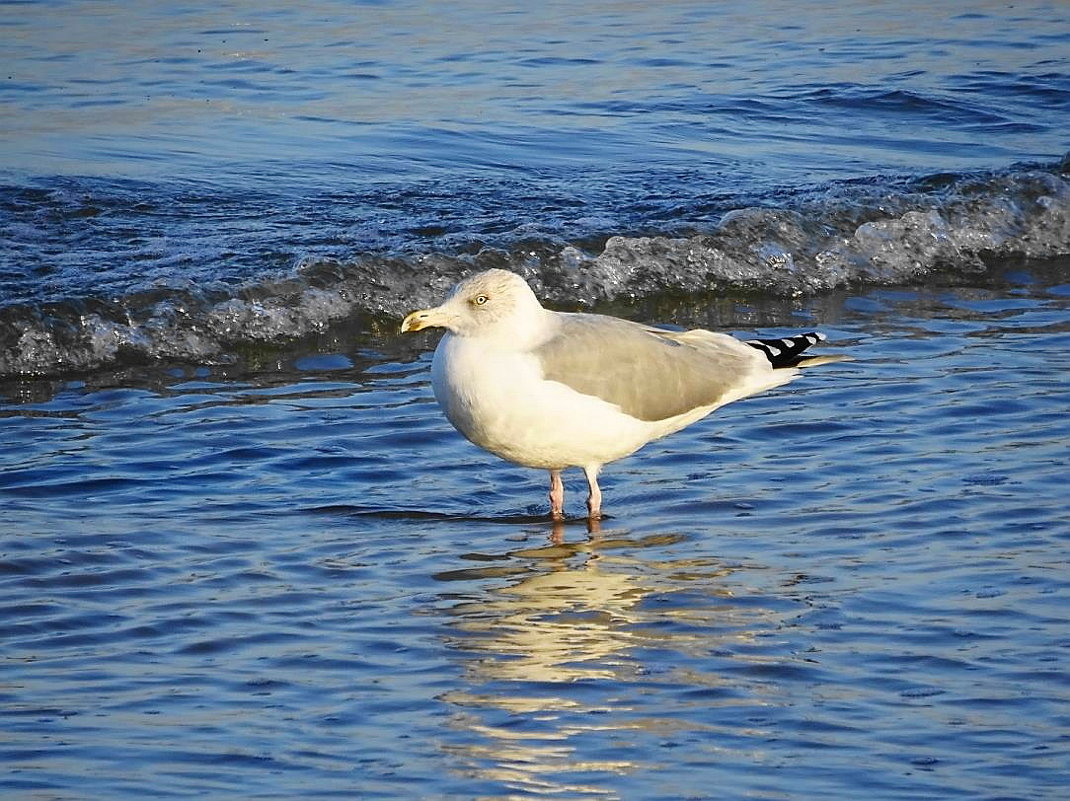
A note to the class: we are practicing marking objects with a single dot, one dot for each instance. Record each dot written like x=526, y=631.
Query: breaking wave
x=852, y=234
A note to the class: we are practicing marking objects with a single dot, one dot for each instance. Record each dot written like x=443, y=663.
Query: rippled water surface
x=178, y=181
x=299, y=582
x=356, y=91
x=242, y=554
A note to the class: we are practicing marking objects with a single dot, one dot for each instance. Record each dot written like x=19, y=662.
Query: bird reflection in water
x=556, y=655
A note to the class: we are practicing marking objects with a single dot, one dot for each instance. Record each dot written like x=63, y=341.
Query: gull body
x=553, y=390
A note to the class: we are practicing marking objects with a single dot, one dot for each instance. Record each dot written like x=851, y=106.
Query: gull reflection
x=550, y=649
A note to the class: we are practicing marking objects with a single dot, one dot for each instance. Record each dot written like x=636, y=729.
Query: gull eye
x=480, y=300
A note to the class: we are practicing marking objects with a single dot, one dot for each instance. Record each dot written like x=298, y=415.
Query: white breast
x=498, y=399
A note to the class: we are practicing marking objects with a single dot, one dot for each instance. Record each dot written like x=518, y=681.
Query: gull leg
x=594, y=499
x=557, y=496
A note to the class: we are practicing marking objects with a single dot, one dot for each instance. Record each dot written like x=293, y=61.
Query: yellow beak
x=419, y=320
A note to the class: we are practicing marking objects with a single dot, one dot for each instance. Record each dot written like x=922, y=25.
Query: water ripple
x=304, y=584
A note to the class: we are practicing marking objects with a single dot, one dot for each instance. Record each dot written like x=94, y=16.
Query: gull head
x=489, y=303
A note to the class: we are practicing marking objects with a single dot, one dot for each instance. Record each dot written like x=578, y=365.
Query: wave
x=877, y=231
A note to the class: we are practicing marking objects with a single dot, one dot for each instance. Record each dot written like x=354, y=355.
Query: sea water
x=242, y=555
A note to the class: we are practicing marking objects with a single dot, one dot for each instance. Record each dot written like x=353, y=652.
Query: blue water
x=243, y=555
x=342, y=93
x=226, y=174
x=305, y=584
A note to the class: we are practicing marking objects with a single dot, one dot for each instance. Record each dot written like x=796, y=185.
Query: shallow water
x=244, y=556
x=300, y=582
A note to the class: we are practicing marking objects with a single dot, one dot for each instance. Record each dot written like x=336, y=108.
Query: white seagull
x=551, y=390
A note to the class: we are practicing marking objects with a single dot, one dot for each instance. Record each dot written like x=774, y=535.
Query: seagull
x=553, y=390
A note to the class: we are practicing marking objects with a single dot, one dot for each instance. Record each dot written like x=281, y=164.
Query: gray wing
x=651, y=374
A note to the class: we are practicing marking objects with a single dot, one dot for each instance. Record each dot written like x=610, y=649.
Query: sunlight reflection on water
x=305, y=579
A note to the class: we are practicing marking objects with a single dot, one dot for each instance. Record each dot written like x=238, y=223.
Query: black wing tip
x=787, y=351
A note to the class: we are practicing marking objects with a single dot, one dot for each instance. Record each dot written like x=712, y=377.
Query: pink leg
x=594, y=499
x=557, y=496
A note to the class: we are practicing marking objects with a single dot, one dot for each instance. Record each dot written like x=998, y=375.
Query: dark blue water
x=242, y=554
x=225, y=174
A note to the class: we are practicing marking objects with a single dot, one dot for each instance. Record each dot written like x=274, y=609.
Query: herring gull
x=552, y=390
